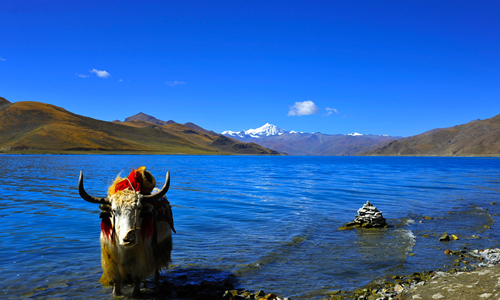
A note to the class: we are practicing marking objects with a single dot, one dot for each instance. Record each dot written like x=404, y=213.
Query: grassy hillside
x=476, y=138
x=36, y=127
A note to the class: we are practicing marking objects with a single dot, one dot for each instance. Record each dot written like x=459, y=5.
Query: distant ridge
x=196, y=127
x=200, y=136
x=146, y=118
x=300, y=143
x=4, y=102
x=476, y=138
x=150, y=119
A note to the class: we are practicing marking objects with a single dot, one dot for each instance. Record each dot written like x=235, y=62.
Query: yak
x=136, y=229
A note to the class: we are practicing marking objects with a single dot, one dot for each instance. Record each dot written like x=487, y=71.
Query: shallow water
x=272, y=222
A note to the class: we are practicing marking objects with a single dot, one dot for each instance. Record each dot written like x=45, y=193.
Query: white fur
x=121, y=259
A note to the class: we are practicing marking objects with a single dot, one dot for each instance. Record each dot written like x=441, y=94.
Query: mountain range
x=300, y=143
x=34, y=127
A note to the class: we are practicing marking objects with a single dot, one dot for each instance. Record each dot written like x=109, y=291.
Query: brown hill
x=147, y=118
x=480, y=137
x=43, y=128
x=150, y=119
x=201, y=138
x=198, y=128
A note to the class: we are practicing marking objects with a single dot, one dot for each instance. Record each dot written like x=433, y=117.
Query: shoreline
x=128, y=152
x=479, y=278
x=468, y=282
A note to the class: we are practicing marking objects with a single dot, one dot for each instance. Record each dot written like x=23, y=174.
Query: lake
x=271, y=222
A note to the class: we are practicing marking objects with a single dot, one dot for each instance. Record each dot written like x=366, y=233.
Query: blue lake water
x=272, y=222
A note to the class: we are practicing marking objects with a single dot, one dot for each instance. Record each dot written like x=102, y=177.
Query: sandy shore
x=482, y=283
x=476, y=276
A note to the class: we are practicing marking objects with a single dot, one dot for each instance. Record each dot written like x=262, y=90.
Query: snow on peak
x=355, y=134
x=265, y=130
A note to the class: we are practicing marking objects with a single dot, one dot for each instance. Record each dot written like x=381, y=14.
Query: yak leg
x=117, y=289
x=137, y=288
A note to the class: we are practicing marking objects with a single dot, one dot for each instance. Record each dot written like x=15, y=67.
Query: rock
x=270, y=297
x=398, y=288
x=444, y=238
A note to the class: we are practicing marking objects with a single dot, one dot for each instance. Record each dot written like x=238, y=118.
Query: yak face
x=127, y=219
x=126, y=216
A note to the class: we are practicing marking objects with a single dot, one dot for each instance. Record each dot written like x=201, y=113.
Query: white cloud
x=174, y=83
x=303, y=108
x=82, y=75
x=102, y=74
x=120, y=79
x=331, y=111
x=2, y=59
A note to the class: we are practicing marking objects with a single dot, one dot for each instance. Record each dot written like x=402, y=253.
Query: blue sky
x=380, y=67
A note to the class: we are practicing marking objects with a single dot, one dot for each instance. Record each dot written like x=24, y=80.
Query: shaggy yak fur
x=130, y=248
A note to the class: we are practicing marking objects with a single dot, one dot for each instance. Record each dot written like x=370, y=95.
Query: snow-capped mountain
x=266, y=130
x=300, y=143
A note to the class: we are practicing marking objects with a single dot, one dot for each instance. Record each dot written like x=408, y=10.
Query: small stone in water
x=444, y=238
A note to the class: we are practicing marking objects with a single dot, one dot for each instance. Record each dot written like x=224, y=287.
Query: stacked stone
x=369, y=216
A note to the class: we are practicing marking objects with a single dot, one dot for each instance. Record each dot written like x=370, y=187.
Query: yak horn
x=164, y=189
x=86, y=196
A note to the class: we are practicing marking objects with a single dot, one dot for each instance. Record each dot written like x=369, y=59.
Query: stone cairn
x=368, y=217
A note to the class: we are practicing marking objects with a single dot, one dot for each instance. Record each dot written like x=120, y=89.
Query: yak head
x=123, y=212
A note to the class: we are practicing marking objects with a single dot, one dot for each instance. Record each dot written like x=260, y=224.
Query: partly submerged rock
x=447, y=237
x=444, y=238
